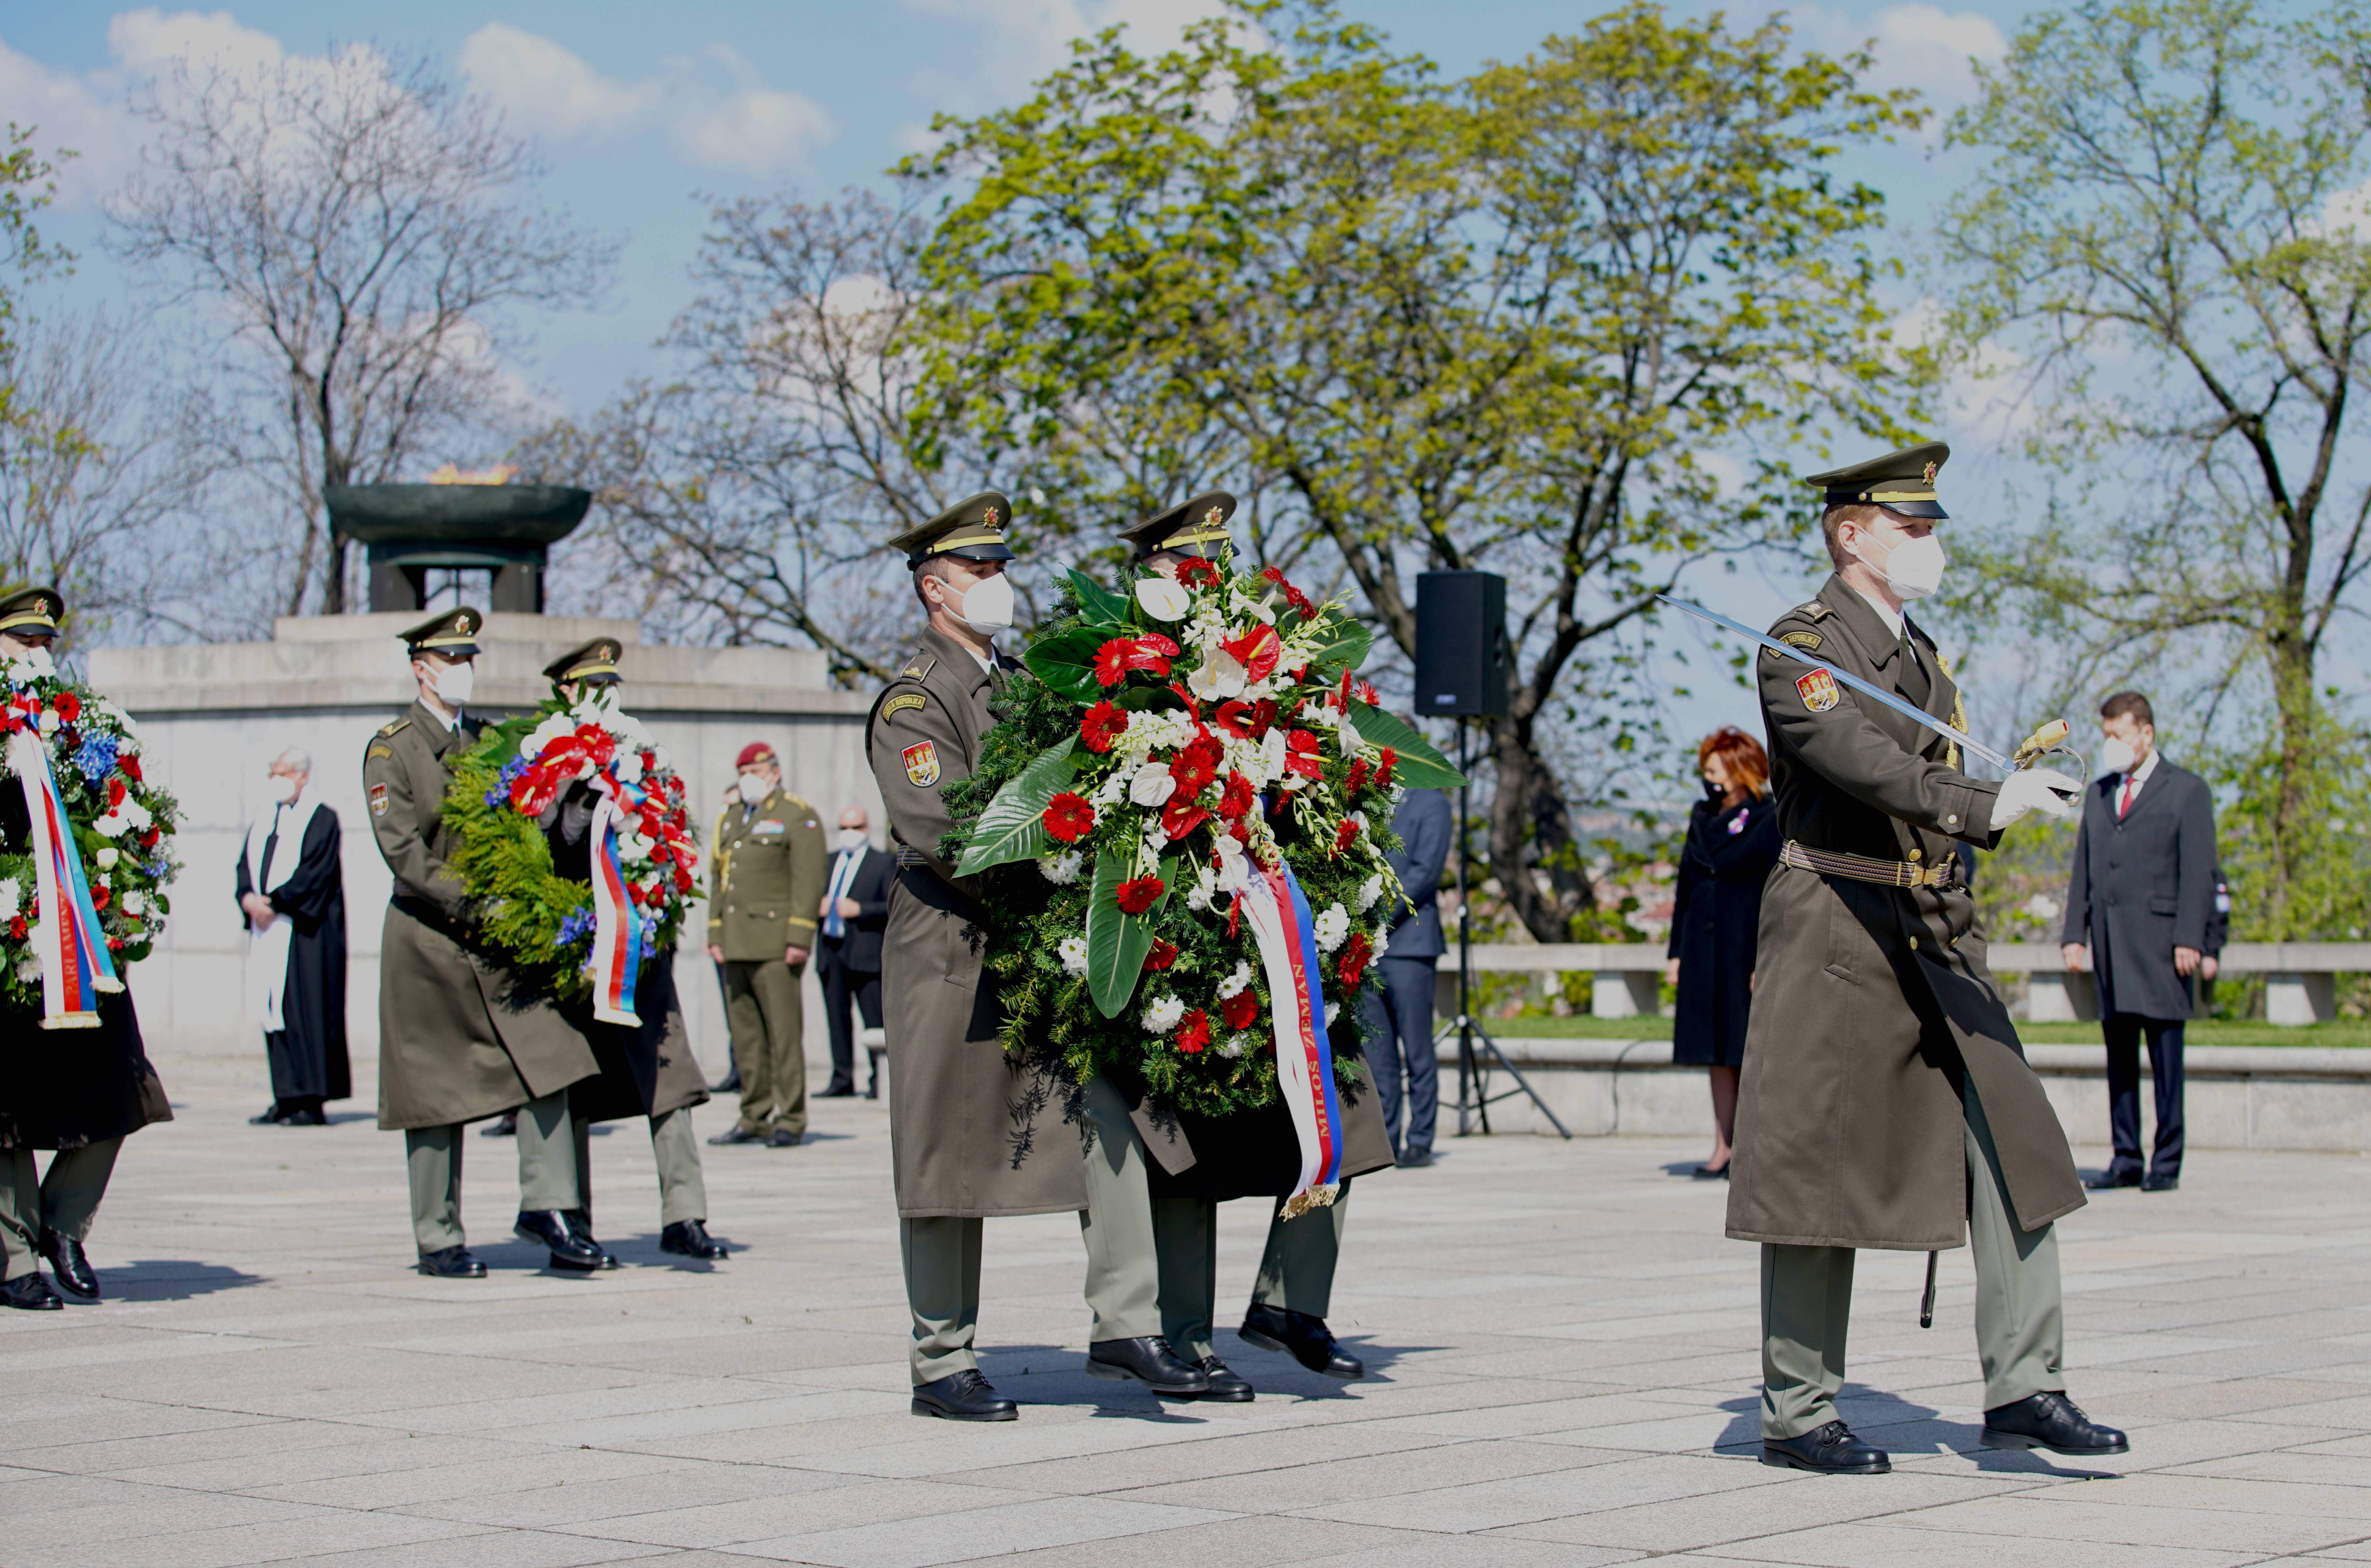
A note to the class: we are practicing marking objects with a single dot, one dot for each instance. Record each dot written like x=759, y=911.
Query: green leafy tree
x=2165, y=232
x=1500, y=323
x=27, y=185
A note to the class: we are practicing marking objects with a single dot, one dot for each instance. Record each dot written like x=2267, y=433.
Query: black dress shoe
x=2160, y=1183
x=782, y=1137
x=272, y=1116
x=964, y=1396
x=503, y=1126
x=729, y=1084
x=738, y=1136
x=451, y=1263
x=1415, y=1159
x=839, y=1091
x=1706, y=1173
x=1227, y=1384
x=2052, y=1421
x=67, y=1262
x=1150, y=1361
x=306, y=1115
x=1830, y=1450
x=1305, y=1339
x=689, y=1238
x=580, y=1224
x=30, y=1294
x=2108, y=1179
x=550, y=1228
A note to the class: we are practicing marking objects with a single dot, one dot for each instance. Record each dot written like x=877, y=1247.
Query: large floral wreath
x=544, y=925
x=1163, y=747
x=66, y=743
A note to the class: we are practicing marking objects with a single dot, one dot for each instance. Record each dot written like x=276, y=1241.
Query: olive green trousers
x=64, y=1199
x=942, y=1258
x=2020, y=1323
x=550, y=1176
x=766, y=1016
x=683, y=1183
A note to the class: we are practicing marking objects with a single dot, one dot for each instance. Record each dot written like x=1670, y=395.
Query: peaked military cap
x=1900, y=481
x=453, y=634
x=32, y=612
x=1196, y=526
x=972, y=529
x=596, y=663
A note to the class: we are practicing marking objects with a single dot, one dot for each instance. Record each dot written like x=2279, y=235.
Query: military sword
x=2036, y=744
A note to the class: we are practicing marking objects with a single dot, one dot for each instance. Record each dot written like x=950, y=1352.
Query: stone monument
x=212, y=716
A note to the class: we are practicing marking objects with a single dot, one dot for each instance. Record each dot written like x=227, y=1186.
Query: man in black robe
x=292, y=894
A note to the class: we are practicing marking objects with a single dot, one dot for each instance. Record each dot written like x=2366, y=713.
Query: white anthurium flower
x=1072, y=952
x=1274, y=749
x=1161, y=1014
x=1217, y=677
x=1164, y=600
x=1151, y=786
x=1349, y=733
x=106, y=857
x=1063, y=868
x=1332, y=927
x=1370, y=890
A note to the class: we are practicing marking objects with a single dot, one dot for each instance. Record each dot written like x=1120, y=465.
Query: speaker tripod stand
x=1477, y=1054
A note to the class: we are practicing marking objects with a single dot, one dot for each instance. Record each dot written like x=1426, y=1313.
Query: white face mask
x=986, y=607
x=282, y=788
x=455, y=682
x=1913, y=568
x=853, y=839
x=2116, y=754
x=755, y=788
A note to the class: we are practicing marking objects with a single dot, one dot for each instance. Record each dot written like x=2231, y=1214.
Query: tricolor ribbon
x=618, y=948
x=67, y=941
x=1270, y=897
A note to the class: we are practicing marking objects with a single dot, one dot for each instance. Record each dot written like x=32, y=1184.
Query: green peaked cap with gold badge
x=596, y=663
x=1196, y=527
x=1901, y=481
x=32, y=612
x=453, y=634
x=972, y=529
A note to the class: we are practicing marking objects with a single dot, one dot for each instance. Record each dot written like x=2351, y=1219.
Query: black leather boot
x=1305, y=1339
x=963, y=1396
x=2053, y=1421
x=689, y=1238
x=451, y=1263
x=73, y=1269
x=1150, y=1361
x=1829, y=1450
x=550, y=1228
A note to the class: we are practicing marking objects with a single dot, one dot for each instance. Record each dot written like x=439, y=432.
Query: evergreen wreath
x=537, y=921
x=1155, y=739
x=122, y=823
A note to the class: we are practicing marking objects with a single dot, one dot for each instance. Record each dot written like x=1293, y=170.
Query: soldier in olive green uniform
x=765, y=884
x=648, y=1071
x=1150, y=1226
x=1886, y=1102
x=972, y=1132
x=458, y=1038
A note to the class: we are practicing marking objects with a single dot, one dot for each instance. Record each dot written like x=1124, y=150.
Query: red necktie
x=2125, y=801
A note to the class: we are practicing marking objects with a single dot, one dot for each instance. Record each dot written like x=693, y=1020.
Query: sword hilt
x=2041, y=742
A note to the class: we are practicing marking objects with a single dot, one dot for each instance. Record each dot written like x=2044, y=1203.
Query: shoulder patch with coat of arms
x=1819, y=690
x=921, y=761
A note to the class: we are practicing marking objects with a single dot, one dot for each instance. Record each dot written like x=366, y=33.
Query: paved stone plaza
x=1561, y=1346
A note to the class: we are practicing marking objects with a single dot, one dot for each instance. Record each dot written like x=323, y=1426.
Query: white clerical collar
x=1885, y=612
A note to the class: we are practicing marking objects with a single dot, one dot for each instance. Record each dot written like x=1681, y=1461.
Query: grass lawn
x=2202, y=1031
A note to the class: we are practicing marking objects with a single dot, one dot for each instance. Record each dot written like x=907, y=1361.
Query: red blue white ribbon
x=617, y=946
x=1271, y=898
x=67, y=940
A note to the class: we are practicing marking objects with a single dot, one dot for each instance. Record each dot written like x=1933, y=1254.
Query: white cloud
x=1917, y=45
x=1025, y=39
x=546, y=89
x=148, y=40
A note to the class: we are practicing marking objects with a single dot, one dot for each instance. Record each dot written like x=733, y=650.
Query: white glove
x=2036, y=790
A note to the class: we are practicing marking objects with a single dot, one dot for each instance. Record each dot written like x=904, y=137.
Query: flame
x=500, y=474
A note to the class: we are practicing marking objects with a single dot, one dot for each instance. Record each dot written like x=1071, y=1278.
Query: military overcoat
x=974, y=1133
x=457, y=1039
x=1873, y=1003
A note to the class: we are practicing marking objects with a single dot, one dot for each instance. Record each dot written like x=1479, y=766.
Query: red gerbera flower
x=1100, y=725
x=1383, y=768
x=98, y=896
x=1356, y=780
x=1240, y=1008
x=68, y=705
x=1139, y=893
x=1301, y=756
x=1195, y=766
x=1353, y=962
x=1194, y=1032
x=1196, y=573
x=16, y=928
x=1163, y=955
x=1236, y=799
x=1111, y=661
x=1069, y=817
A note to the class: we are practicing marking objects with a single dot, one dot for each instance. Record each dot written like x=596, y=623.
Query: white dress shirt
x=2130, y=789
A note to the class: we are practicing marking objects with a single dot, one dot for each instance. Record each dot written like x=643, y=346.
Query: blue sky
x=641, y=110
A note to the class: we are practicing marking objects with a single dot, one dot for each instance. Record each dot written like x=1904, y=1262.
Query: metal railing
x=2300, y=978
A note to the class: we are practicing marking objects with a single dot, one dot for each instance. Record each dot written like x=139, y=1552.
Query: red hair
x=1740, y=752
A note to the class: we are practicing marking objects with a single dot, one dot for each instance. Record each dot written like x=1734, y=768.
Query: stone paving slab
x=1562, y=1349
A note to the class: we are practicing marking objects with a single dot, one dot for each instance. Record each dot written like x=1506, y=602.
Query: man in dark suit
x=1400, y=1008
x=848, y=955
x=2138, y=907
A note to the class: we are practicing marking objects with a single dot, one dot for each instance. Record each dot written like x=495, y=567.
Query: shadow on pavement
x=169, y=1279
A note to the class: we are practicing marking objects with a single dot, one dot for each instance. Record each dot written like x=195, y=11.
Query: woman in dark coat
x=1732, y=843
